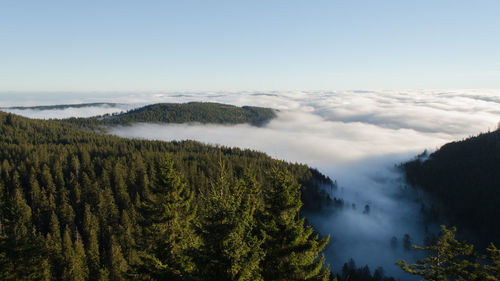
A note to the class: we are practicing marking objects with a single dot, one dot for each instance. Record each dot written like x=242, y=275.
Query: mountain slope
x=465, y=176
x=74, y=204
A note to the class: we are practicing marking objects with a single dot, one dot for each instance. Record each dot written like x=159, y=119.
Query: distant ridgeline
x=465, y=176
x=63, y=106
x=201, y=112
x=78, y=205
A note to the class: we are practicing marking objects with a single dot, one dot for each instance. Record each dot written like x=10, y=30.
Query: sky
x=95, y=46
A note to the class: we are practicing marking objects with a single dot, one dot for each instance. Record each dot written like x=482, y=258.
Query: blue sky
x=248, y=45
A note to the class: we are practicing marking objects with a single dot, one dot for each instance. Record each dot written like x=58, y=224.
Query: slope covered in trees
x=202, y=112
x=465, y=176
x=77, y=205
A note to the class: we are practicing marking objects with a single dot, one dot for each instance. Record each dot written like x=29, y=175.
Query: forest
x=201, y=112
x=465, y=177
x=78, y=205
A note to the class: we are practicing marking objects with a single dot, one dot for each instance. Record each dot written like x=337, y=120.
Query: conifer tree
x=493, y=269
x=231, y=249
x=292, y=249
x=117, y=263
x=168, y=214
x=53, y=243
x=21, y=250
x=75, y=267
x=449, y=260
x=90, y=232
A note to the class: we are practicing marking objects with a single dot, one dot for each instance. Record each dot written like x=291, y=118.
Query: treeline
x=202, y=112
x=77, y=205
x=465, y=176
x=352, y=273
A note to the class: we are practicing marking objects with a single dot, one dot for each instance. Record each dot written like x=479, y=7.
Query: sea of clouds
x=355, y=137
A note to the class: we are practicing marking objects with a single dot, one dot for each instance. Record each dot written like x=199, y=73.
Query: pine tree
x=90, y=233
x=117, y=263
x=53, y=243
x=292, y=249
x=168, y=215
x=75, y=267
x=231, y=248
x=21, y=250
x=493, y=269
x=449, y=260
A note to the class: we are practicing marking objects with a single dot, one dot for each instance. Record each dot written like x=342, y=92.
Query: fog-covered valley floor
x=355, y=137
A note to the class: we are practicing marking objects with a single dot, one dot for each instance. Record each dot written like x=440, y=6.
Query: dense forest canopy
x=78, y=205
x=201, y=112
x=465, y=176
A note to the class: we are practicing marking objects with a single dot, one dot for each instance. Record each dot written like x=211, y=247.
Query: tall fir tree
x=75, y=266
x=449, y=259
x=231, y=248
x=292, y=249
x=21, y=250
x=493, y=268
x=168, y=214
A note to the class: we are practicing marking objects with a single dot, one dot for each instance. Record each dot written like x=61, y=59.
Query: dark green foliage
x=448, y=259
x=22, y=254
x=202, y=112
x=292, y=247
x=493, y=268
x=167, y=214
x=231, y=248
x=77, y=205
x=465, y=176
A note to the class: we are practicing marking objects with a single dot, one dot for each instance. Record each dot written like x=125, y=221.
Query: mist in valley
x=354, y=137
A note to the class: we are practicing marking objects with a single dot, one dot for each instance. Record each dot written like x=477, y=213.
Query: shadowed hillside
x=465, y=176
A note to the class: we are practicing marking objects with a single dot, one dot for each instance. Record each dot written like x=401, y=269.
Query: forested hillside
x=77, y=205
x=465, y=176
x=202, y=112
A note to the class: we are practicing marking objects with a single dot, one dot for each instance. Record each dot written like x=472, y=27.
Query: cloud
x=298, y=136
x=457, y=113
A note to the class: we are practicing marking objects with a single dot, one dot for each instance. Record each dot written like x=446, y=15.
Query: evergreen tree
x=90, y=233
x=21, y=250
x=117, y=263
x=75, y=266
x=231, y=249
x=292, y=249
x=168, y=214
x=53, y=243
x=493, y=269
x=449, y=260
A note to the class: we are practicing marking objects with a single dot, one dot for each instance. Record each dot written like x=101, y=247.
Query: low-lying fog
x=355, y=137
